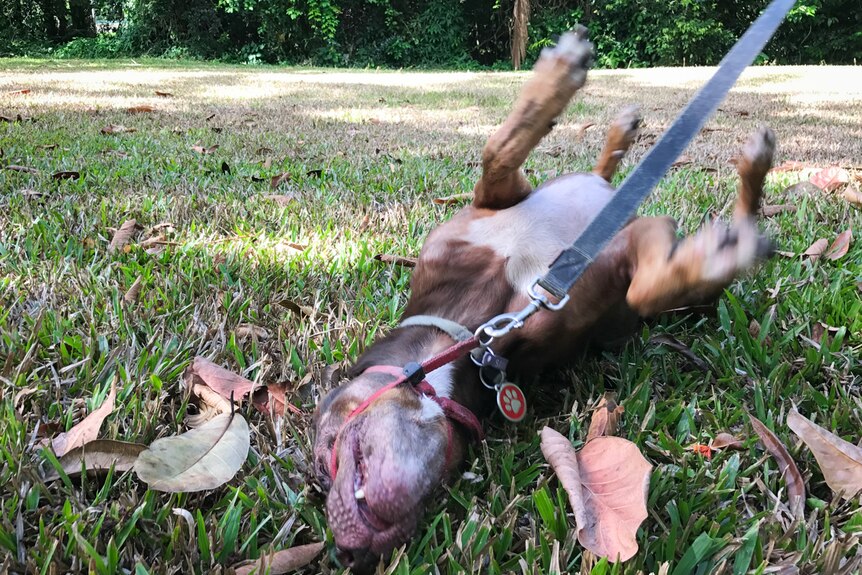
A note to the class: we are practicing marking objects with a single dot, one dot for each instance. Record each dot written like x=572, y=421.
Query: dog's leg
x=621, y=135
x=668, y=275
x=557, y=75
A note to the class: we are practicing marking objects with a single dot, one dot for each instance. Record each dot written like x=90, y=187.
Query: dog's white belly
x=531, y=234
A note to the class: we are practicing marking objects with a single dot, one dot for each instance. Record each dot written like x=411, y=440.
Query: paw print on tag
x=511, y=401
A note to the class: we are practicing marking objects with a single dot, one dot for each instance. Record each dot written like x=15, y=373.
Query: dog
x=380, y=466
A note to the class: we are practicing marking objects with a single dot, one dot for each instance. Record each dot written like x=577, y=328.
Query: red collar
x=453, y=410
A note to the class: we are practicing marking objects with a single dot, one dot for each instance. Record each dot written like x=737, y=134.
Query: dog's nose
x=359, y=560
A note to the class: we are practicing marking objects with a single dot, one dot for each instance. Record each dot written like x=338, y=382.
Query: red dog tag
x=511, y=401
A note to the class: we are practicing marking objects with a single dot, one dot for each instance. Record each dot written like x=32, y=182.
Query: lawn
x=366, y=153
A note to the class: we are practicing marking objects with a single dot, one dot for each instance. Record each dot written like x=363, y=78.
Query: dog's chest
x=530, y=235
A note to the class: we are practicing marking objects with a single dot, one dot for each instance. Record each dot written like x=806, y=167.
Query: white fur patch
x=531, y=234
x=430, y=409
x=441, y=380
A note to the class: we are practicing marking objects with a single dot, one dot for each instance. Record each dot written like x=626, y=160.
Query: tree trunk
x=521, y=17
x=54, y=19
x=83, y=23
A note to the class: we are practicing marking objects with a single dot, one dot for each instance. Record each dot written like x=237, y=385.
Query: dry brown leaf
x=284, y=561
x=830, y=179
x=98, y=456
x=792, y=166
x=87, y=429
x=224, y=382
x=18, y=92
x=123, y=235
x=840, y=461
x=396, y=260
x=142, y=109
x=853, y=196
x=683, y=160
x=200, y=459
x=792, y=478
x=682, y=349
x=725, y=441
x=161, y=94
x=68, y=175
x=134, y=291
x=606, y=417
x=248, y=330
x=770, y=211
x=582, y=129
x=205, y=151
x=276, y=181
x=816, y=249
x=111, y=129
x=838, y=248
x=281, y=199
x=22, y=169
x=454, y=199
x=607, y=483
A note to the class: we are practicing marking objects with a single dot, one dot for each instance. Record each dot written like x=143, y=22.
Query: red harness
x=453, y=410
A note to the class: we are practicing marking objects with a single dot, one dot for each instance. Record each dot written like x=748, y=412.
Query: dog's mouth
x=371, y=519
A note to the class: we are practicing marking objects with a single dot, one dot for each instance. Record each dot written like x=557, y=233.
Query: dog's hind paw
x=760, y=148
x=573, y=50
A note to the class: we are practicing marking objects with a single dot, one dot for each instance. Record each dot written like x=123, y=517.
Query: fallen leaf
x=791, y=166
x=314, y=173
x=118, y=153
x=134, y=290
x=284, y=561
x=454, y=199
x=769, y=211
x=701, y=449
x=840, y=461
x=123, y=235
x=853, y=196
x=111, y=129
x=830, y=179
x=607, y=483
x=582, y=129
x=210, y=117
x=683, y=160
x=276, y=181
x=18, y=92
x=22, y=169
x=88, y=428
x=792, y=478
x=161, y=94
x=726, y=441
x=267, y=163
x=205, y=151
x=142, y=109
x=200, y=459
x=262, y=151
x=281, y=199
x=98, y=456
x=396, y=260
x=66, y=175
x=223, y=381
x=606, y=417
x=208, y=403
x=682, y=349
x=816, y=249
x=804, y=188
x=248, y=330
x=838, y=248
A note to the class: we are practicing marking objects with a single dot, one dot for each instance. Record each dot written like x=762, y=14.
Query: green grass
x=387, y=143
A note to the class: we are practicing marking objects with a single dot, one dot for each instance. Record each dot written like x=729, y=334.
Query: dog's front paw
x=575, y=52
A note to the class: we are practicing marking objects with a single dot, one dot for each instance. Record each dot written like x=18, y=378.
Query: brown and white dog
x=480, y=264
